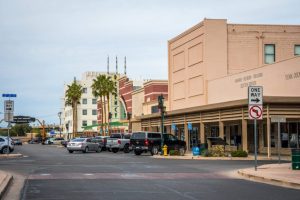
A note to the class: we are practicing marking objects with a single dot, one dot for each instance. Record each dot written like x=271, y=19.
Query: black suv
x=151, y=141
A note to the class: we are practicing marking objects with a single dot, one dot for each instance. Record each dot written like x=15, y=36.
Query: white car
x=4, y=147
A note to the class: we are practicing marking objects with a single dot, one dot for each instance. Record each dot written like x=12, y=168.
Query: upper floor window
x=84, y=123
x=269, y=53
x=84, y=112
x=84, y=90
x=297, y=50
x=94, y=112
x=94, y=101
x=94, y=122
x=84, y=101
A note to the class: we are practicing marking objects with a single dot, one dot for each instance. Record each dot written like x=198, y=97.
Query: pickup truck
x=117, y=142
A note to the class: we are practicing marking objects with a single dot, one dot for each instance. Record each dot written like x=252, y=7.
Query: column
x=268, y=134
x=244, y=135
x=202, y=133
x=186, y=136
x=261, y=135
x=221, y=129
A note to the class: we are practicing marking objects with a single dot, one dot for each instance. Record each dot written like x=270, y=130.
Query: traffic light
x=128, y=115
x=161, y=102
x=109, y=115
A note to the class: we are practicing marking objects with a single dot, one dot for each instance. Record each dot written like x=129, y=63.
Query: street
x=52, y=173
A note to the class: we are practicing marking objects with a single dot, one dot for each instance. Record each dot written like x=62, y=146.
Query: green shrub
x=206, y=153
x=239, y=153
x=174, y=153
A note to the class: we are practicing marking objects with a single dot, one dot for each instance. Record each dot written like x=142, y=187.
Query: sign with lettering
x=255, y=95
x=255, y=102
x=278, y=118
x=8, y=110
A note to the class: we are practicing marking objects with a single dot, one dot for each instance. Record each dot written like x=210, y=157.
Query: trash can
x=296, y=159
x=196, y=151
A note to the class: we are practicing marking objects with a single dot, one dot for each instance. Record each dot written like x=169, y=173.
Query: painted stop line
x=255, y=112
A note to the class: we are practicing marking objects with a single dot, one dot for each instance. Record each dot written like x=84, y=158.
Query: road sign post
x=255, y=110
x=278, y=119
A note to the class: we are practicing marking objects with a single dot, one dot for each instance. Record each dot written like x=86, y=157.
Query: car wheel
x=99, y=149
x=181, y=151
x=137, y=152
x=126, y=148
x=85, y=150
x=154, y=150
x=115, y=150
x=70, y=151
x=5, y=150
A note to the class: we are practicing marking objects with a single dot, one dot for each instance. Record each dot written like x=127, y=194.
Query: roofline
x=229, y=104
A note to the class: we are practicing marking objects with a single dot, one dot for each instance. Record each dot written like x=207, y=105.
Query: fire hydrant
x=165, y=149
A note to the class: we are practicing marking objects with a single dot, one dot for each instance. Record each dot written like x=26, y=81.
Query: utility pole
x=162, y=112
x=59, y=115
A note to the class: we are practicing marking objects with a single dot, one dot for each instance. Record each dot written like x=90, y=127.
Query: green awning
x=89, y=127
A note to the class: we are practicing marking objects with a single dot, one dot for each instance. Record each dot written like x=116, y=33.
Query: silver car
x=84, y=145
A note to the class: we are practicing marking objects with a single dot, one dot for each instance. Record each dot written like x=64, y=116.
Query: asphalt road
x=52, y=173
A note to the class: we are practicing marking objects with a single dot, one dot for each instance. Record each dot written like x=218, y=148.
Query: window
x=84, y=123
x=84, y=112
x=297, y=50
x=84, y=90
x=154, y=109
x=94, y=112
x=94, y=122
x=269, y=53
x=84, y=101
x=94, y=101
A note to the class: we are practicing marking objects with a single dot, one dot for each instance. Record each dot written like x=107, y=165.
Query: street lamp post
x=59, y=115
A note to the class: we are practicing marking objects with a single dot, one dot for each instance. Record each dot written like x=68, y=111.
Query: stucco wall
x=137, y=103
x=279, y=79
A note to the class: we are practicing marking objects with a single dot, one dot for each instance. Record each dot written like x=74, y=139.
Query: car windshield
x=115, y=136
x=138, y=136
x=78, y=140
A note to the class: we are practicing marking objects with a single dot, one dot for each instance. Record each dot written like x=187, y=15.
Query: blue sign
x=173, y=127
x=52, y=132
x=190, y=127
x=9, y=95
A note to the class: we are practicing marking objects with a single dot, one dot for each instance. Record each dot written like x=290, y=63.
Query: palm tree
x=110, y=89
x=72, y=96
x=98, y=91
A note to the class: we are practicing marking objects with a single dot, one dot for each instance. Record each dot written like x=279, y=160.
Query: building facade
x=211, y=66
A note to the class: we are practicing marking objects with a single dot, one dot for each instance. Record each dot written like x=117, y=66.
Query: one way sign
x=255, y=95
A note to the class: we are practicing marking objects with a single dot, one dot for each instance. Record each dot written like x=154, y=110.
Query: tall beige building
x=210, y=68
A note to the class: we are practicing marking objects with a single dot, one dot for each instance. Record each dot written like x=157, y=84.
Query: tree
x=72, y=97
x=20, y=129
x=98, y=92
x=102, y=87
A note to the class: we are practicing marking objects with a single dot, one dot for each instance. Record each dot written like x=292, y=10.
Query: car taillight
x=146, y=142
x=119, y=141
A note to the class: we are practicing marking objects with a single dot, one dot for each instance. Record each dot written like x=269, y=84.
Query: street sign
x=9, y=95
x=23, y=119
x=190, y=127
x=278, y=118
x=255, y=112
x=8, y=106
x=255, y=95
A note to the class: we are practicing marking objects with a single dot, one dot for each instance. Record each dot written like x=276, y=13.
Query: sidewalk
x=5, y=180
x=189, y=156
x=11, y=155
x=278, y=174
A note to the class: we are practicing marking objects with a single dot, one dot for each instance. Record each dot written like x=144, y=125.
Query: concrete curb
x=211, y=158
x=273, y=181
x=5, y=183
x=14, y=155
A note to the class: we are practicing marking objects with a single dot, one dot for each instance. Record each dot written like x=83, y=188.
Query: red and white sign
x=255, y=112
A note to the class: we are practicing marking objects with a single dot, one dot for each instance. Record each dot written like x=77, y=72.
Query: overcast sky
x=45, y=43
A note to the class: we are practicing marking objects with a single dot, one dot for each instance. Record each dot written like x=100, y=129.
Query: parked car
x=17, y=142
x=6, y=145
x=84, y=145
x=102, y=141
x=58, y=141
x=64, y=142
x=143, y=142
x=49, y=141
x=118, y=141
